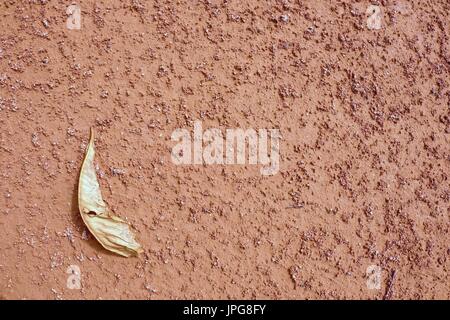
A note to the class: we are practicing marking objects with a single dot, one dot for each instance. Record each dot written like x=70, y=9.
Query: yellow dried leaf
x=112, y=232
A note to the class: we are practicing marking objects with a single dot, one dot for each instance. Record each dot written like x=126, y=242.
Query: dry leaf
x=112, y=232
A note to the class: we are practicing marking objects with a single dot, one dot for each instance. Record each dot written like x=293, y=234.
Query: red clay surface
x=365, y=157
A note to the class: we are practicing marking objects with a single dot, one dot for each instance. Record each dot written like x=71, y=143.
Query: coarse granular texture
x=364, y=113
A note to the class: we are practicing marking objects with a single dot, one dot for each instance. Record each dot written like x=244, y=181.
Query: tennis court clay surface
x=360, y=205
